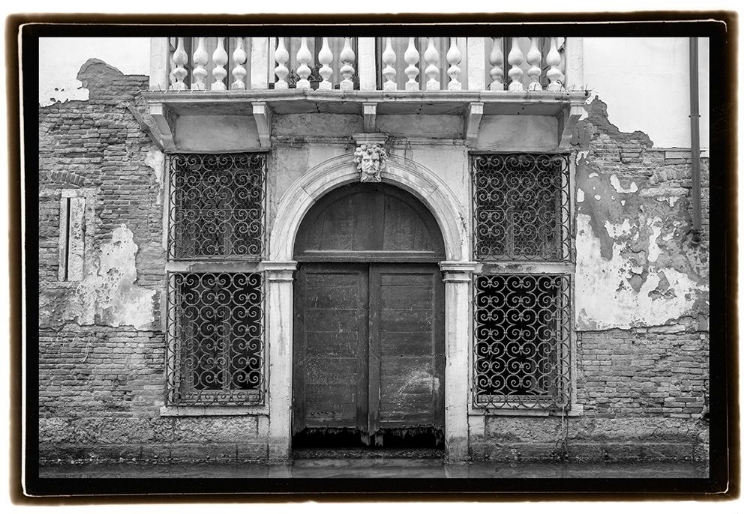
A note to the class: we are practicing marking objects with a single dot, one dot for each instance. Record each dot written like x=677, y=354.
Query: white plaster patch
x=671, y=199
x=594, y=174
x=653, y=247
x=622, y=202
x=108, y=295
x=615, y=181
x=70, y=90
x=598, y=197
x=581, y=155
x=155, y=161
x=600, y=301
x=620, y=230
x=580, y=195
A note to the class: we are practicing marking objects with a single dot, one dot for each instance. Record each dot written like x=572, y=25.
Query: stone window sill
x=575, y=411
x=240, y=410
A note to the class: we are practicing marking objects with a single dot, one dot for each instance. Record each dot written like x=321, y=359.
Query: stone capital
x=280, y=271
x=458, y=271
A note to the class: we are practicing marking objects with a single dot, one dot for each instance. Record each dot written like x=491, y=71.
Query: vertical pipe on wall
x=695, y=139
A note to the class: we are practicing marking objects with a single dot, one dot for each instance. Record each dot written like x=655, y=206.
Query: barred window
x=216, y=338
x=521, y=345
x=522, y=321
x=216, y=205
x=521, y=207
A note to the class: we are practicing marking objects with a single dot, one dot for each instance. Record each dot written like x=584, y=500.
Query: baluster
x=553, y=61
x=432, y=71
x=411, y=56
x=347, y=70
x=304, y=57
x=221, y=58
x=389, y=72
x=200, y=60
x=515, y=58
x=239, y=56
x=534, y=58
x=454, y=58
x=496, y=60
x=282, y=56
x=180, y=58
x=325, y=56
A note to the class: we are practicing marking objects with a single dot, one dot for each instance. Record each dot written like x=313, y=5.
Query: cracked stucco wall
x=636, y=263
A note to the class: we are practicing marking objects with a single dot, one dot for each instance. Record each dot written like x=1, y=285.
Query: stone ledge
x=243, y=410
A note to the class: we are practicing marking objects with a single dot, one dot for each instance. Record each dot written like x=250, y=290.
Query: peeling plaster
x=604, y=300
x=155, y=161
x=108, y=295
x=635, y=264
x=616, y=184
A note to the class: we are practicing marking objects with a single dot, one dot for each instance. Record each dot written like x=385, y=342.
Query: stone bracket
x=262, y=115
x=567, y=122
x=369, y=111
x=165, y=120
x=473, y=118
x=151, y=131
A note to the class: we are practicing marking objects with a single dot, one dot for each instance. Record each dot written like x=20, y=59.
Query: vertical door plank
x=411, y=355
x=331, y=305
x=373, y=424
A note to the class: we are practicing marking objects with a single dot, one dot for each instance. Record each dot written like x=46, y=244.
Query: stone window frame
x=214, y=265
x=565, y=266
x=76, y=208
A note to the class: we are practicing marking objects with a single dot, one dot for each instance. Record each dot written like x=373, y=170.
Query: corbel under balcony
x=252, y=111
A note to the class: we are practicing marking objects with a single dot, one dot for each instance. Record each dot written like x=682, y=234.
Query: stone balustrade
x=498, y=64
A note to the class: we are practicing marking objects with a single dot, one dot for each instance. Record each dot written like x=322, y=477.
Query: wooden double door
x=369, y=352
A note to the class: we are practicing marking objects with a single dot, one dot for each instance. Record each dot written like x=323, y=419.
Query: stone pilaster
x=279, y=327
x=457, y=276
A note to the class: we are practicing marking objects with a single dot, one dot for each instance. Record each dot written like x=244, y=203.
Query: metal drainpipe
x=695, y=140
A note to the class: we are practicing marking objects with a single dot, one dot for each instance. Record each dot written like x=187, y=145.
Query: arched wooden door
x=369, y=360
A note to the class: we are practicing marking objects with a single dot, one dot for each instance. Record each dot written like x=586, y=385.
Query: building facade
x=270, y=243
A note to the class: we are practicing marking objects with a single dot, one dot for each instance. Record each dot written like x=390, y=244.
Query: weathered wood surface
x=369, y=349
x=369, y=223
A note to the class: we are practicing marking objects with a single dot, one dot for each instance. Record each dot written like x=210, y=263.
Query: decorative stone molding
x=280, y=271
x=457, y=271
x=404, y=173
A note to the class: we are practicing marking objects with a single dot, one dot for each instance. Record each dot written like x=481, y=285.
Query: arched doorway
x=369, y=330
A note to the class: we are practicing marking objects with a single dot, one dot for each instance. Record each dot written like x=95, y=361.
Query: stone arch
x=401, y=172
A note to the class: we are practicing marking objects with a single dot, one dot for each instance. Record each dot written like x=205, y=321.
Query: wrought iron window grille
x=521, y=207
x=522, y=341
x=215, y=340
x=217, y=206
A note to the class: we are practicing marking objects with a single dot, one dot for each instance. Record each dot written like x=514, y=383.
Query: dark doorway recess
x=369, y=359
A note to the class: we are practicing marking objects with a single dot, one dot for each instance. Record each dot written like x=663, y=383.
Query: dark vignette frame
x=722, y=483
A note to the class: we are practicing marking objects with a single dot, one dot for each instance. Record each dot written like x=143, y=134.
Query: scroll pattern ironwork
x=215, y=347
x=521, y=207
x=522, y=341
x=217, y=205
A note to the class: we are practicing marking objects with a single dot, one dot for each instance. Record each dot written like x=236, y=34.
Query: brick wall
x=101, y=383
x=642, y=392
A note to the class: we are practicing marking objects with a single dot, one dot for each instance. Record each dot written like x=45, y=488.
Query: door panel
x=330, y=340
x=368, y=348
x=407, y=325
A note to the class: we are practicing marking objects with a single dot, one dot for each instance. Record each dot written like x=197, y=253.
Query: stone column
x=259, y=62
x=574, y=64
x=366, y=63
x=457, y=276
x=279, y=353
x=159, y=65
x=476, y=62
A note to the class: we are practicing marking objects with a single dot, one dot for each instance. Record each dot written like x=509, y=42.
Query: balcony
x=255, y=78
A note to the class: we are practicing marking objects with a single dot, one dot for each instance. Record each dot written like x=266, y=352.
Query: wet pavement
x=381, y=468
